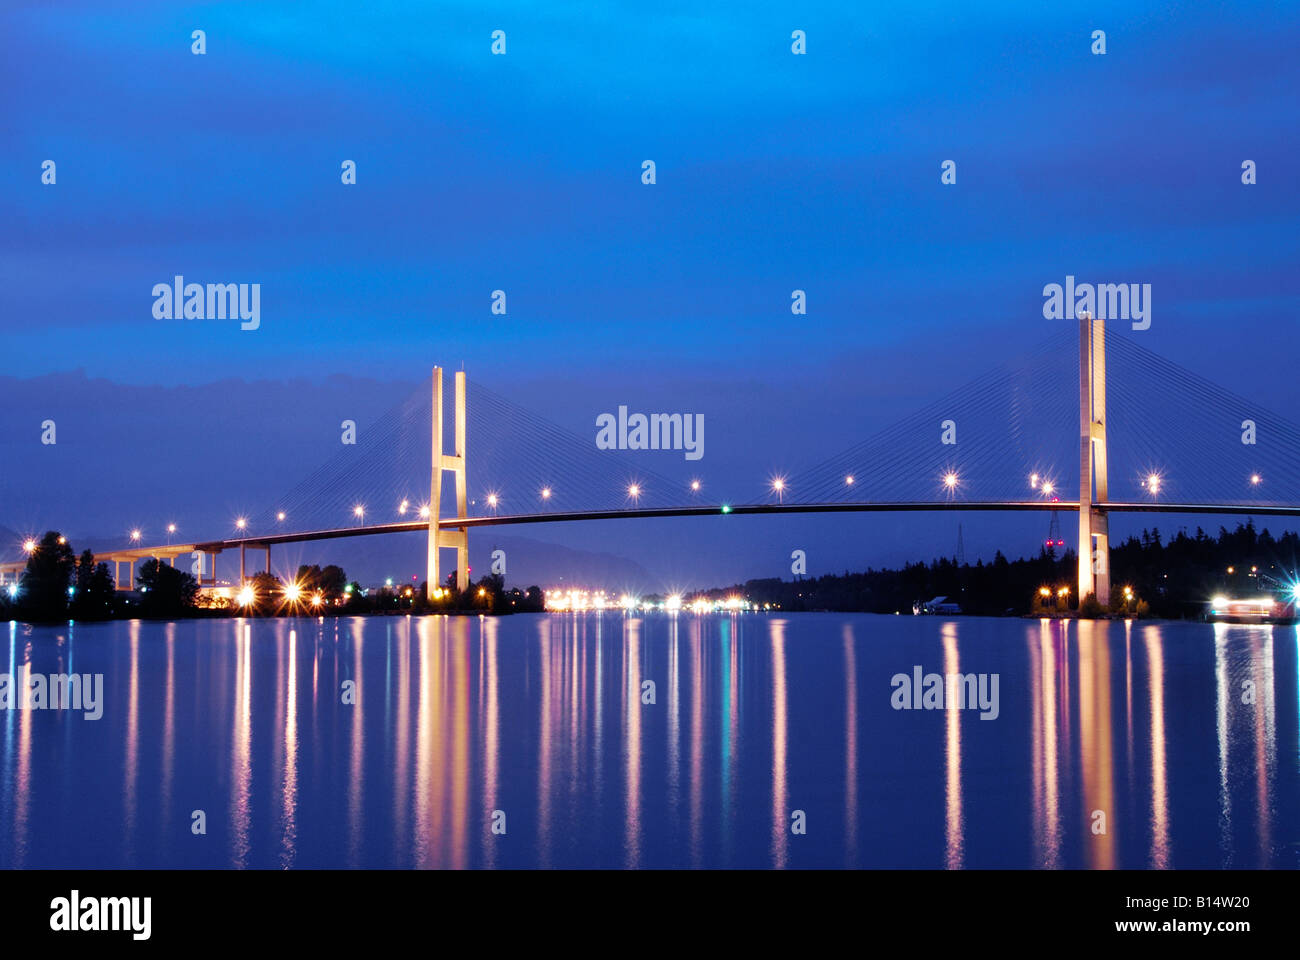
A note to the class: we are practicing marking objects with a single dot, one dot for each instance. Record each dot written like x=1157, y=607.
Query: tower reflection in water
x=616, y=740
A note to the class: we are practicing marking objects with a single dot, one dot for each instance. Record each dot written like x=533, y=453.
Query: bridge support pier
x=1094, y=528
x=439, y=538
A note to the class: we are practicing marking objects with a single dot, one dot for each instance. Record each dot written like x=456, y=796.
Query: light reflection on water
x=604, y=741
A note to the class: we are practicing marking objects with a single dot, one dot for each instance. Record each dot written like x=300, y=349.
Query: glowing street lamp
x=29, y=545
x=402, y=507
x=1255, y=479
x=1033, y=481
x=359, y=512
x=1153, y=483
x=950, y=481
x=546, y=493
x=424, y=512
x=280, y=516
x=695, y=486
x=246, y=597
x=241, y=523
x=135, y=536
x=778, y=487
x=848, y=481
x=634, y=491
x=493, y=500
x=1048, y=488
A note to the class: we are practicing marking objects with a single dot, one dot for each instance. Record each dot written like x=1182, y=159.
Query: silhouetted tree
x=43, y=590
x=164, y=590
x=268, y=593
x=93, y=598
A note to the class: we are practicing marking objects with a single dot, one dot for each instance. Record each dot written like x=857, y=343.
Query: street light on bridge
x=359, y=512
x=634, y=492
x=778, y=487
x=546, y=493
x=135, y=536
x=280, y=516
x=1255, y=479
x=241, y=523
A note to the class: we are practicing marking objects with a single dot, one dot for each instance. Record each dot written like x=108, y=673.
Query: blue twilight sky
x=522, y=173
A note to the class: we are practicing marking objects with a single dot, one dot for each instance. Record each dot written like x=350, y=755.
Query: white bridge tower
x=1094, y=532
x=455, y=462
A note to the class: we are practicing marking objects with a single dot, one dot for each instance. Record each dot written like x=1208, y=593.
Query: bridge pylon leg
x=1094, y=528
x=456, y=463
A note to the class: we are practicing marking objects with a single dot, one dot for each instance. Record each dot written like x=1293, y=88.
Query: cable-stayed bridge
x=1090, y=422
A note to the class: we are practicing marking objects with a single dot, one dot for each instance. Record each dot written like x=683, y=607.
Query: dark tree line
x=58, y=585
x=1174, y=579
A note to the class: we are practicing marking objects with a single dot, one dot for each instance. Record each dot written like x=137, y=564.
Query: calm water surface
x=1183, y=735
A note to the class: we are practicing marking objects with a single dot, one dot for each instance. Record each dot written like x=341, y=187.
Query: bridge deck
x=173, y=550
